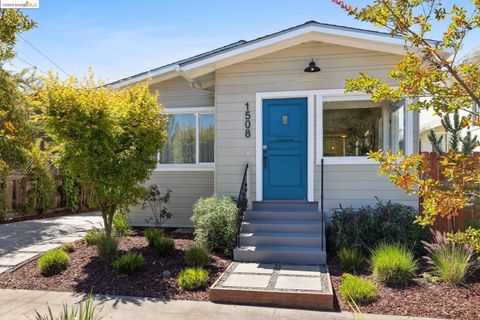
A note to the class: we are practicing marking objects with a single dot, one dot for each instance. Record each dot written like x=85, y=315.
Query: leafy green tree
x=429, y=69
x=15, y=129
x=108, y=137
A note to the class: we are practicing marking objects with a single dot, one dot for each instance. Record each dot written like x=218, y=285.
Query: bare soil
x=88, y=272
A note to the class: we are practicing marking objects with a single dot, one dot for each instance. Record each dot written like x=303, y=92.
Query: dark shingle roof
x=242, y=43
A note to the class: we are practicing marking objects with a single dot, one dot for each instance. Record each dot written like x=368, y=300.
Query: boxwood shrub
x=367, y=227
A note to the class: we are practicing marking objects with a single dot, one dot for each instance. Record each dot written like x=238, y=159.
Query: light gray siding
x=283, y=71
x=186, y=188
x=176, y=93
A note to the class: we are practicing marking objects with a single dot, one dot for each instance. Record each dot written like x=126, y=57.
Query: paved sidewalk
x=23, y=241
x=22, y=304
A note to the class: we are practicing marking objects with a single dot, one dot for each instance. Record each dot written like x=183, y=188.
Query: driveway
x=22, y=241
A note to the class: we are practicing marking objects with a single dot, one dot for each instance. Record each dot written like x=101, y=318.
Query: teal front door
x=285, y=149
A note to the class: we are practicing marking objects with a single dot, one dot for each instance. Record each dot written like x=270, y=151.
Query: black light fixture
x=312, y=67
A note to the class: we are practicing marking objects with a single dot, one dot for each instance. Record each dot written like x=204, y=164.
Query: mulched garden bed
x=87, y=272
x=418, y=299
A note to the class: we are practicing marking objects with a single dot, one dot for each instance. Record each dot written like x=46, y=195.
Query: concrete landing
x=275, y=284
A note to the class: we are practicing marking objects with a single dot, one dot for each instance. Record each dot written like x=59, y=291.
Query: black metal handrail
x=242, y=202
x=321, y=207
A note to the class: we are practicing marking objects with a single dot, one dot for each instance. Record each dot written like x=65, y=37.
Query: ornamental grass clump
x=393, y=264
x=82, y=311
x=53, y=262
x=449, y=261
x=152, y=235
x=68, y=247
x=197, y=256
x=92, y=237
x=164, y=246
x=357, y=290
x=351, y=260
x=107, y=248
x=129, y=263
x=121, y=225
x=193, y=279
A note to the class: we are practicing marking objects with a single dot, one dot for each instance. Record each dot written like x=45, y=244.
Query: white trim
x=185, y=167
x=197, y=166
x=348, y=160
x=408, y=128
x=259, y=97
x=189, y=110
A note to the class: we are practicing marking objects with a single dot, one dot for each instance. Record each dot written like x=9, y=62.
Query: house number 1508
x=247, y=120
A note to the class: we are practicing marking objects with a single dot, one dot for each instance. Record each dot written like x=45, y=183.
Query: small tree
x=15, y=128
x=429, y=69
x=108, y=138
x=154, y=200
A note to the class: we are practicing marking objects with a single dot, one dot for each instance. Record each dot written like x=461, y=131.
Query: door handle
x=264, y=154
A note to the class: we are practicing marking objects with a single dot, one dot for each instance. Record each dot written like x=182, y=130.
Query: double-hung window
x=191, y=138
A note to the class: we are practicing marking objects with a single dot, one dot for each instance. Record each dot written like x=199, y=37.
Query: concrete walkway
x=23, y=241
x=22, y=304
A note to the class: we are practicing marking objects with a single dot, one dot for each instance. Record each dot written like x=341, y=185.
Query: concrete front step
x=308, y=226
x=284, y=254
x=281, y=239
x=282, y=215
x=289, y=206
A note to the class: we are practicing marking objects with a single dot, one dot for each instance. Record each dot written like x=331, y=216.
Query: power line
x=30, y=64
x=44, y=55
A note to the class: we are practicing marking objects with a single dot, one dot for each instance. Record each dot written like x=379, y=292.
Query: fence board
x=444, y=224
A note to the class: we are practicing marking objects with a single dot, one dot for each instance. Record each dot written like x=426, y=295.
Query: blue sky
x=123, y=37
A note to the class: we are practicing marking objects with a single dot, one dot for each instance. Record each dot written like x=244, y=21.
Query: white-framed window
x=190, y=141
x=349, y=126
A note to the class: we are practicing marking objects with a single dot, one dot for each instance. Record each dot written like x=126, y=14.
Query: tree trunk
x=107, y=214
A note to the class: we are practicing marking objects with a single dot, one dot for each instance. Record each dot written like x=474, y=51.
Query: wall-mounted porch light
x=312, y=67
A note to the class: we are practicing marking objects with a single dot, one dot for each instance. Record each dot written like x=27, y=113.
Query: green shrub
x=107, y=248
x=351, y=260
x=129, y=263
x=165, y=246
x=121, y=225
x=471, y=223
x=215, y=221
x=393, y=263
x=193, y=278
x=367, y=227
x=357, y=290
x=197, y=256
x=92, y=237
x=152, y=235
x=469, y=238
x=68, y=247
x=82, y=311
x=449, y=261
x=53, y=262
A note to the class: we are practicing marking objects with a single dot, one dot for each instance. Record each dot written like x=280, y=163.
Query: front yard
x=156, y=278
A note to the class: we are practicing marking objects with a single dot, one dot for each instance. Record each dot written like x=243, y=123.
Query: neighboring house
x=255, y=102
x=429, y=121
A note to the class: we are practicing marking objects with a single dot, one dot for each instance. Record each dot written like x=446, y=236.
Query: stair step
x=282, y=226
x=273, y=205
x=282, y=215
x=281, y=239
x=285, y=254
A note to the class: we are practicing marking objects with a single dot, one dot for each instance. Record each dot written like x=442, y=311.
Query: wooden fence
x=441, y=223
x=17, y=188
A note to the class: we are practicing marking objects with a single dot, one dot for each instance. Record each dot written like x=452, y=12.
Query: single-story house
x=278, y=104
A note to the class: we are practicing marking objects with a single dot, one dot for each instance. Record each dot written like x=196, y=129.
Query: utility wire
x=44, y=55
x=31, y=64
